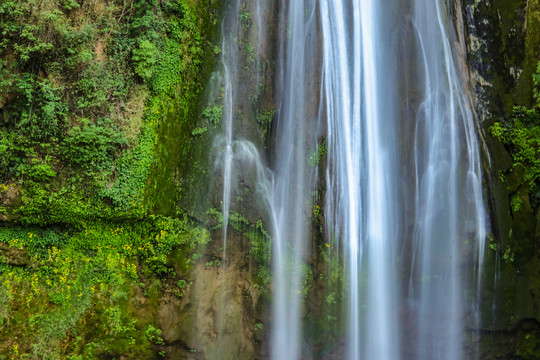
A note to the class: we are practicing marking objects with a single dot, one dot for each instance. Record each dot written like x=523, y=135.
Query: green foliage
x=30, y=45
x=515, y=203
x=145, y=57
x=245, y=19
x=41, y=111
x=213, y=262
x=521, y=136
x=334, y=283
x=213, y=114
x=316, y=156
x=199, y=131
x=248, y=51
x=69, y=4
x=492, y=244
x=134, y=166
x=101, y=87
x=92, y=146
x=508, y=255
x=536, y=84
x=264, y=120
x=66, y=87
x=260, y=240
x=154, y=335
x=261, y=246
x=331, y=298
x=307, y=275
x=36, y=170
x=89, y=274
x=181, y=284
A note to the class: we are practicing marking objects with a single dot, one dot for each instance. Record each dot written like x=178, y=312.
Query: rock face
x=502, y=40
x=221, y=313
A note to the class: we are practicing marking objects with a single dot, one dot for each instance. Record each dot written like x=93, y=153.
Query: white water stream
x=449, y=207
x=337, y=63
x=361, y=180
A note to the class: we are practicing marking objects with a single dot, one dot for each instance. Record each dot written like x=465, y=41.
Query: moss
x=91, y=290
x=528, y=344
x=169, y=58
x=531, y=53
x=515, y=177
x=181, y=162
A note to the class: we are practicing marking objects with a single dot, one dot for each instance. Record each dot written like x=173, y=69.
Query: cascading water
x=238, y=162
x=287, y=188
x=449, y=208
x=406, y=257
x=364, y=211
x=294, y=179
x=358, y=85
x=229, y=60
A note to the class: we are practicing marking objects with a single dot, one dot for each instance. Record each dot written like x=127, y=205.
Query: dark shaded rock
x=515, y=178
x=502, y=48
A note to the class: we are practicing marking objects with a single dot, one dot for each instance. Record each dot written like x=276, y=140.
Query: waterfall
x=294, y=178
x=366, y=215
x=238, y=161
x=404, y=213
x=358, y=86
x=229, y=61
x=449, y=207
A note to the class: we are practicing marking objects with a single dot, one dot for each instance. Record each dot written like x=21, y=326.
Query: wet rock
x=218, y=312
x=502, y=48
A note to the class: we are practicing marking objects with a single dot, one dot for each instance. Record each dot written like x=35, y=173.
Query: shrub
x=92, y=146
x=144, y=57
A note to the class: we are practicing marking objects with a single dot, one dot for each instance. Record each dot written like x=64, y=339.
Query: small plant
x=154, y=335
x=508, y=255
x=181, y=284
x=264, y=120
x=213, y=114
x=69, y=4
x=492, y=243
x=245, y=19
x=516, y=203
x=331, y=298
x=215, y=262
x=144, y=58
x=316, y=156
x=199, y=131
